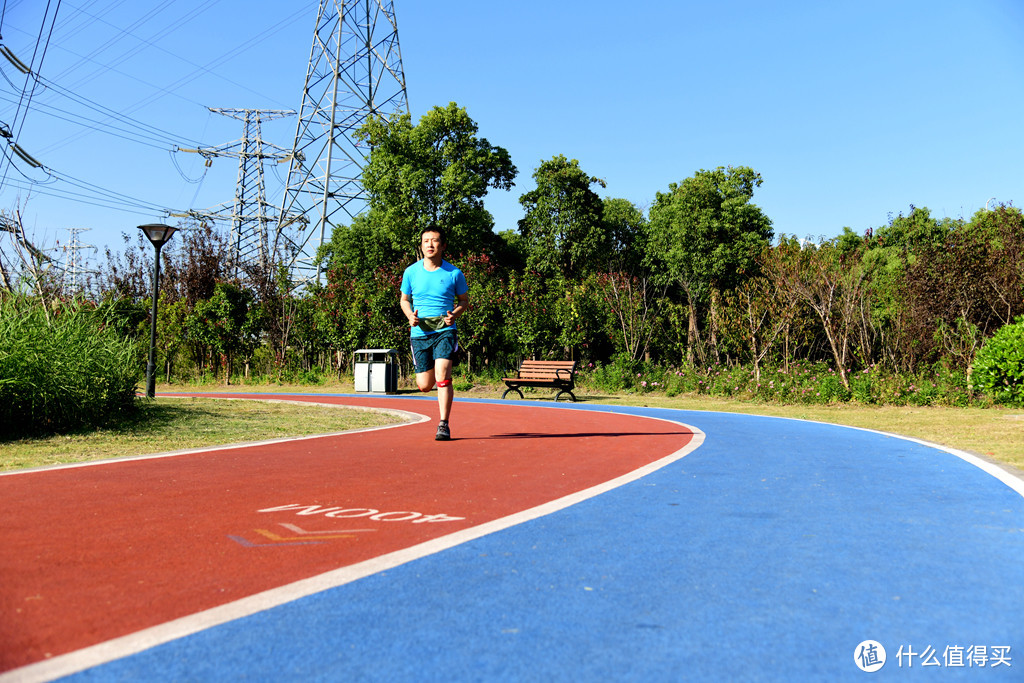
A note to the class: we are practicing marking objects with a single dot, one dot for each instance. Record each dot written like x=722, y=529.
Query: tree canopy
x=564, y=226
x=706, y=235
x=437, y=171
x=707, y=232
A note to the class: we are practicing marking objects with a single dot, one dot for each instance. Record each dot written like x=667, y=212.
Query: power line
x=130, y=132
x=257, y=39
x=34, y=66
x=159, y=92
x=16, y=124
x=89, y=193
x=64, y=104
x=152, y=12
x=127, y=205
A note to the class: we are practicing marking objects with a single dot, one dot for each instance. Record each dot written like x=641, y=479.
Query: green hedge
x=62, y=368
x=998, y=368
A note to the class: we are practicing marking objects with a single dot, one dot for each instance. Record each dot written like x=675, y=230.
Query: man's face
x=431, y=244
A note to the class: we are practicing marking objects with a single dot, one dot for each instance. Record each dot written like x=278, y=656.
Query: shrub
x=954, y=388
x=621, y=374
x=806, y=383
x=680, y=382
x=832, y=389
x=998, y=368
x=862, y=387
x=62, y=369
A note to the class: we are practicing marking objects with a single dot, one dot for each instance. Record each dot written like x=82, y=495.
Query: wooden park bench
x=557, y=374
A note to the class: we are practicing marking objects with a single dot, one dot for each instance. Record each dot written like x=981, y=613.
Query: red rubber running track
x=91, y=553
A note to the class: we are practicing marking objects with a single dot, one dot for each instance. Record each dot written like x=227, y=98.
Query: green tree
x=479, y=330
x=308, y=336
x=886, y=253
x=781, y=266
x=630, y=304
x=527, y=308
x=627, y=233
x=915, y=231
x=361, y=310
x=357, y=247
x=835, y=285
x=1004, y=229
x=340, y=311
x=576, y=312
x=171, y=328
x=227, y=323
x=706, y=234
x=962, y=290
x=437, y=171
x=564, y=226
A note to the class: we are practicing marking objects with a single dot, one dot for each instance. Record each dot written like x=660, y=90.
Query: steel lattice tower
x=250, y=214
x=250, y=218
x=355, y=71
x=74, y=265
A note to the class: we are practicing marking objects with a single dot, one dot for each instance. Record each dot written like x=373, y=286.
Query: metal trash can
x=376, y=370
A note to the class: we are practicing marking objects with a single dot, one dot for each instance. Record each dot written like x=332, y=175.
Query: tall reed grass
x=62, y=368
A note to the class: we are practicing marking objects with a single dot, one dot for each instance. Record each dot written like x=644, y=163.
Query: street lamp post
x=158, y=234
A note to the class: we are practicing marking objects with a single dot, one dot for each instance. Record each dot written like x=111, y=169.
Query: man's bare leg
x=425, y=380
x=445, y=392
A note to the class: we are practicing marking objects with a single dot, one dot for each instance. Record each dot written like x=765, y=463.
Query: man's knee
x=441, y=383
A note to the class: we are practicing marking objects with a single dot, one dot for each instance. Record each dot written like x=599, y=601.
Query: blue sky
x=851, y=111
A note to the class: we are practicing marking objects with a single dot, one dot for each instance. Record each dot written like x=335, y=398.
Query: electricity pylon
x=354, y=72
x=74, y=265
x=250, y=214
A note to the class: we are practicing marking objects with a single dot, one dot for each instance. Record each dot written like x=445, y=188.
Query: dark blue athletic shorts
x=425, y=350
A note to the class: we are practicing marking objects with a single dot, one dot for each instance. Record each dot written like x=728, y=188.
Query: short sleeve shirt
x=432, y=292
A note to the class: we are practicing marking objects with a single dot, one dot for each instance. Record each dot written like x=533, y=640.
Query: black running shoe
x=442, y=432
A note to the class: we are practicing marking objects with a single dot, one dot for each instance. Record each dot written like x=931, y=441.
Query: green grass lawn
x=170, y=424
x=174, y=424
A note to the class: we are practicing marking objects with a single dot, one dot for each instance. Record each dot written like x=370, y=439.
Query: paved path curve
x=770, y=552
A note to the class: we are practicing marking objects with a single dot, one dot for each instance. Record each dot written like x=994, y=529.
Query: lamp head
x=158, y=233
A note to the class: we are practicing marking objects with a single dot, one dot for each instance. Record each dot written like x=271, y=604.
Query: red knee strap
x=443, y=382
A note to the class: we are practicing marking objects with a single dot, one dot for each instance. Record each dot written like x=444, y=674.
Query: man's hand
x=415, y=319
x=448, y=318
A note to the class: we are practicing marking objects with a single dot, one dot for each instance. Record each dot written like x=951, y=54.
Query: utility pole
x=250, y=214
x=354, y=72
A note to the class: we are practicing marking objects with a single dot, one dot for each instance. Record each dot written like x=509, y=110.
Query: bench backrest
x=547, y=369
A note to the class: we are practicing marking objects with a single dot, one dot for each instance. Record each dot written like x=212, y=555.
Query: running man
x=429, y=288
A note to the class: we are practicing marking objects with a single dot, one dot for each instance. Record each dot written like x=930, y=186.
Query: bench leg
x=565, y=391
x=512, y=389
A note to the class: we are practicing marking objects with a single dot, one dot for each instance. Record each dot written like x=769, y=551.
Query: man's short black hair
x=434, y=227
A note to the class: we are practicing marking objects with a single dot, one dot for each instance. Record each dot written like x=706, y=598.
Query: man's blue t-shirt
x=432, y=292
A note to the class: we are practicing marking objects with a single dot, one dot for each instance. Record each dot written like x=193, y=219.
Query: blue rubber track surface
x=769, y=553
